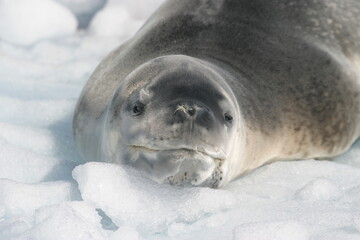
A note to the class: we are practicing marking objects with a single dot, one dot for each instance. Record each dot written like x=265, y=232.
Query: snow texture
x=48, y=192
x=26, y=22
x=122, y=17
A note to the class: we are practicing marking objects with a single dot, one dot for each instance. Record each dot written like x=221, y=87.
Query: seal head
x=174, y=119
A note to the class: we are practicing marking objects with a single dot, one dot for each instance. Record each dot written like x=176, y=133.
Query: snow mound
x=120, y=18
x=26, y=22
x=320, y=189
x=68, y=220
x=121, y=192
x=114, y=21
x=264, y=203
x=271, y=230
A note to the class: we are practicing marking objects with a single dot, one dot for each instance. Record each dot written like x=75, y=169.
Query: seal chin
x=183, y=166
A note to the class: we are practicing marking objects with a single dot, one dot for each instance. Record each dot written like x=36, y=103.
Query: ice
x=114, y=21
x=125, y=232
x=48, y=192
x=357, y=222
x=14, y=227
x=25, y=22
x=30, y=166
x=261, y=196
x=271, y=230
x=69, y=220
x=23, y=199
x=35, y=112
x=34, y=139
x=339, y=234
x=121, y=18
x=120, y=195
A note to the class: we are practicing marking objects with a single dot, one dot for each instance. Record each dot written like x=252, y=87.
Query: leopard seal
x=208, y=90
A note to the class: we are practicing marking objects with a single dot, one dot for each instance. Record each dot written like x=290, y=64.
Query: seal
x=208, y=90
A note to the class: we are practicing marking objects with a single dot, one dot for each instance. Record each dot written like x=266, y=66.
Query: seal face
x=166, y=122
x=208, y=90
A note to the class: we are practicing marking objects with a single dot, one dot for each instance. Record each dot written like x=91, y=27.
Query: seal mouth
x=179, y=166
x=218, y=156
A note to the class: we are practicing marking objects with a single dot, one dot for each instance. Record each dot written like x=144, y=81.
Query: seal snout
x=193, y=112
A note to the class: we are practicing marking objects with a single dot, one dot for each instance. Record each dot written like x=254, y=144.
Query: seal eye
x=138, y=109
x=228, y=117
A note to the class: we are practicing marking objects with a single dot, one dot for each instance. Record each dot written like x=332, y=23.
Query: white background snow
x=48, y=193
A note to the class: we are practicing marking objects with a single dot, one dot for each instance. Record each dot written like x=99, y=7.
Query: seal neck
x=251, y=146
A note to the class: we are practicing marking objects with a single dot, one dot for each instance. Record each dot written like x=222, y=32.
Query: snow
x=320, y=189
x=48, y=192
x=271, y=230
x=114, y=21
x=139, y=10
x=26, y=22
x=121, y=17
x=125, y=232
x=23, y=199
x=169, y=204
x=68, y=220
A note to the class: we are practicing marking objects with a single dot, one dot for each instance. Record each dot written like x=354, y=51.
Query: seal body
x=209, y=89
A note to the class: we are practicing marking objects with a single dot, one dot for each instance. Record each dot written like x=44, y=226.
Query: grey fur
x=294, y=67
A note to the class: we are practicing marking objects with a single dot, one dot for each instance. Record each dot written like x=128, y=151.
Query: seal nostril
x=191, y=111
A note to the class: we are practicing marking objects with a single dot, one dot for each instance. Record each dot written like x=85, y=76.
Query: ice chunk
x=26, y=22
x=114, y=21
x=320, y=189
x=84, y=10
x=121, y=193
x=24, y=199
x=69, y=220
x=121, y=18
x=283, y=230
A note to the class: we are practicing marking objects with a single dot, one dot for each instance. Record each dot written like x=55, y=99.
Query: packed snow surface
x=26, y=22
x=48, y=192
